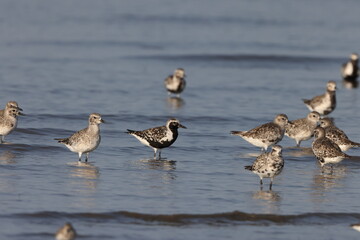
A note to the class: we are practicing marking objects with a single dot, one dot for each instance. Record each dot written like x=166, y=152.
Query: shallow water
x=245, y=61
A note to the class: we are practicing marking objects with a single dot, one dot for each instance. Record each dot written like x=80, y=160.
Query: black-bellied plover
x=176, y=83
x=323, y=104
x=159, y=137
x=337, y=135
x=66, y=232
x=10, y=104
x=325, y=150
x=302, y=129
x=267, y=134
x=8, y=122
x=85, y=140
x=350, y=69
x=268, y=165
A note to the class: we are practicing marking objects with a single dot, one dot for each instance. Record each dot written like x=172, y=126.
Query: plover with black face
x=268, y=165
x=325, y=150
x=66, y=232
x=10, y=104
x=176, y=83
x=337, y=135
x=159, y=137
x=323, y=104
x=85, y=140
x=302, y=129
x=8, y=122
x=267, y=134
x=350, y=69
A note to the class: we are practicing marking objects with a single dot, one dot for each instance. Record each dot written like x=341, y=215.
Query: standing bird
x=325, y=150
x=158, y=137
x=267, y=134
x=66, y=232
x=176, y=83
x=85, y=140
x=10, y=104
x=323, y=104
x=302, y=129
x=8, y=122
x=337, y=135
x=268, y=165
x=350, y=69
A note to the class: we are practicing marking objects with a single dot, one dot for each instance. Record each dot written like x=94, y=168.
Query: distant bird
x=176, y=83
x=323, y=104
x=159, y=137
x=356, y=226
x=85, y=140
x=10, y=104
x=350, y=69
x=66, y=232
x=268, y=165
x=325, y=150
x=8, y=122
x=302, y=129
x=337, y=135
x=267, y=134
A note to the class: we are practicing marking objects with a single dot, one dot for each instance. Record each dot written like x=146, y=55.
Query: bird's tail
x=129, y=131
x=306, y=101
x=237, y=133
x=250, y=168
x=355, y=144
x=62, y=140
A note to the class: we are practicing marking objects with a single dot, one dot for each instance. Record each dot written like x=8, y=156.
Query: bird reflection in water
x=7, y=157
x=269, y=199
x=350, y=84
x=327, y=178
x=175, y=103
x=165, y=167
x=87, y=172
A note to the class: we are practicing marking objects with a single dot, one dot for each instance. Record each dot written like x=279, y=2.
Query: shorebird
x=350, y=69
x=10, y=104
x=302, y=129
x=176, y=83
x=323, y=104
x=8, y=122
x=267, y=134
x=158, y=137
x=337, y=135
x=325, y=150
x=66, y=232
x=85, y=140
x=268, y=165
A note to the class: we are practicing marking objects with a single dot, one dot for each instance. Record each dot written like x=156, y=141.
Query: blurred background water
x=246, y=61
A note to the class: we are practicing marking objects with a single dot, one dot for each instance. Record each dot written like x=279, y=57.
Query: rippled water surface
x=245, y=61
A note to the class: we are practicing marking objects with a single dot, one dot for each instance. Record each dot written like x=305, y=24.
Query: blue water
x=245, y=61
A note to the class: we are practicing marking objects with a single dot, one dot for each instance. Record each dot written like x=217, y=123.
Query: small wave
x=235, y=217
x=244, y=57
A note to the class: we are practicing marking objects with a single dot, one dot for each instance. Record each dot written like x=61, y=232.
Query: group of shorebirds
x=329, y=141
x=328, y=145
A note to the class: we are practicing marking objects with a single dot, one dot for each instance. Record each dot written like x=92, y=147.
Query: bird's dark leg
x=87, y=157
x=159, y=154
x=271, y=181
x=80, y=156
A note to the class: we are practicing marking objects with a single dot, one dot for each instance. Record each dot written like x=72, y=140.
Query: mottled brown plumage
x=267, y=134
x=325, y=150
